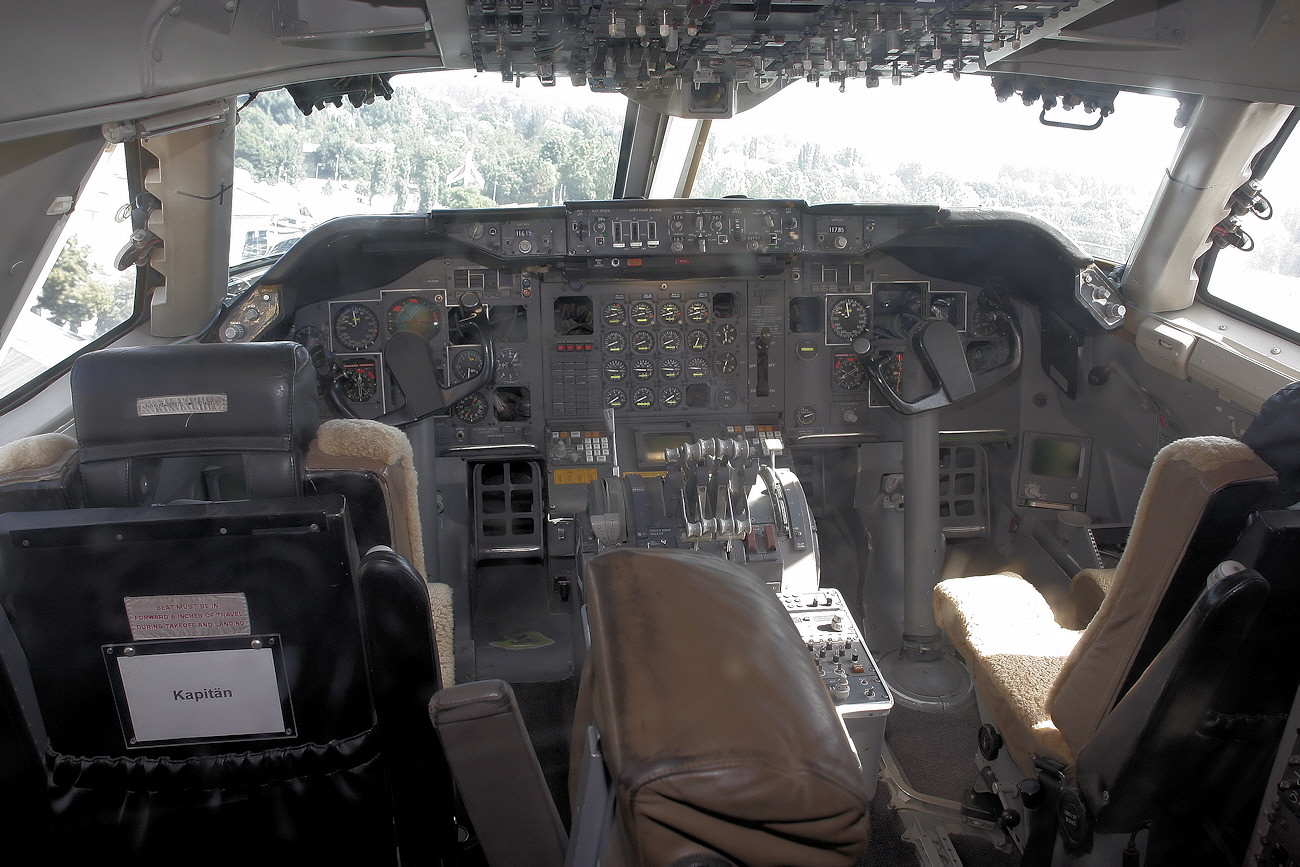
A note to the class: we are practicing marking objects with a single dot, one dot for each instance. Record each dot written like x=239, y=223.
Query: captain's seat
x=192, y=656
x=221, y=422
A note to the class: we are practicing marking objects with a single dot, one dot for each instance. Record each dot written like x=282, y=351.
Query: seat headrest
x=147, y=416
x=1274, y=435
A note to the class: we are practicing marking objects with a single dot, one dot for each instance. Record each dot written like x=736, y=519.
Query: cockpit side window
x=1253, y=269
x=80, y=295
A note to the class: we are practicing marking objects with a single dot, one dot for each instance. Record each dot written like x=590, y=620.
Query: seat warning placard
x=192, y=615
x=201, y=695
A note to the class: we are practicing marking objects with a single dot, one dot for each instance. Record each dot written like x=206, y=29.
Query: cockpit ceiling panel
x=712, y=59
x=83, y=63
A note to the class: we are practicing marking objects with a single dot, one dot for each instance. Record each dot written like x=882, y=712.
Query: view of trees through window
x=443, y=141
x=938, y=141
x=82, y=294
x=452, y=140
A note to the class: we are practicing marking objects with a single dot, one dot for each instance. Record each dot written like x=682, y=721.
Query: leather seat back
x=157, y=424
x=222, y=680
x=718, y=733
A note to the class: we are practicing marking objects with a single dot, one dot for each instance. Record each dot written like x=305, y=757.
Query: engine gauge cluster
x=669, y=349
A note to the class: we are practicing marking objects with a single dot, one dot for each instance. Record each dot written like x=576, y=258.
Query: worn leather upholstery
x=1047, y=688
x=157, y=424
x=498, y=774
x=718, y=733
x=253, y=438
x=357, y=777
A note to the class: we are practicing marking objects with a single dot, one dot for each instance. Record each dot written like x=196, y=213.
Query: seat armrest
x=487, y=746
x=1087, y=590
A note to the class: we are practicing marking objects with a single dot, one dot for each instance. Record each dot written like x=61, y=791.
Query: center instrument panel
x=670, y=318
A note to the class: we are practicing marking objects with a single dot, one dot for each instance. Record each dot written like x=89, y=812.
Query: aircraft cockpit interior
x=565, y=432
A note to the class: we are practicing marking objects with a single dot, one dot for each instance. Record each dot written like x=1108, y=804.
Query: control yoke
x=410, y=360
x=938, y=345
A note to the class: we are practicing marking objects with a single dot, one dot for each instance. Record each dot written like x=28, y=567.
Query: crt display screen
x=1056, y=459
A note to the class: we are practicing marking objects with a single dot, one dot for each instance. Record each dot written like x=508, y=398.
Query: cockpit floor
x=935, y=750
x=936, y=753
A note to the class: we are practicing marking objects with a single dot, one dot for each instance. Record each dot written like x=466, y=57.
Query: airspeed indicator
x=849, y=318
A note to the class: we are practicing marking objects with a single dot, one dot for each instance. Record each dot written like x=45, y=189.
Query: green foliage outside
x=75, y=294
x=531, y=152
x=404, y=148
x=1102, y=216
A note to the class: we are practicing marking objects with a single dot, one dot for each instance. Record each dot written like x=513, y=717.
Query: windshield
x=465, y=140
x=445, y=140
x=936, y=140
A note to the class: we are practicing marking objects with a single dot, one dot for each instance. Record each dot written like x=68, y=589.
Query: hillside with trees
x=404, y=149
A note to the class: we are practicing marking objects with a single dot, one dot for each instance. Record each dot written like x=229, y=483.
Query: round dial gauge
x=670, y=340
x=510, y=365
x=356, y=327
x=309, y=336
x=727, y=397
x=615, y=341
x=726, y=363
x=849, y=373
x=643, y=341
x=614, y=313
x=697, y=368
x=726, y=334
x=467, y=364
x=359, y=382
x=892, y=370
x=643, y=313
x=413, y=314
x=697, y=339
x=849, y=318
x=643, y=397
x=670, y=396
x=616, y=370
x=670, y=313
x=615, y=398
x=697, y=311
x=643, y=369
x=670, y=368
x=472, y=408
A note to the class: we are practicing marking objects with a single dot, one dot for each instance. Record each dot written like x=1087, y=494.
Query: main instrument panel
x=608, y=330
